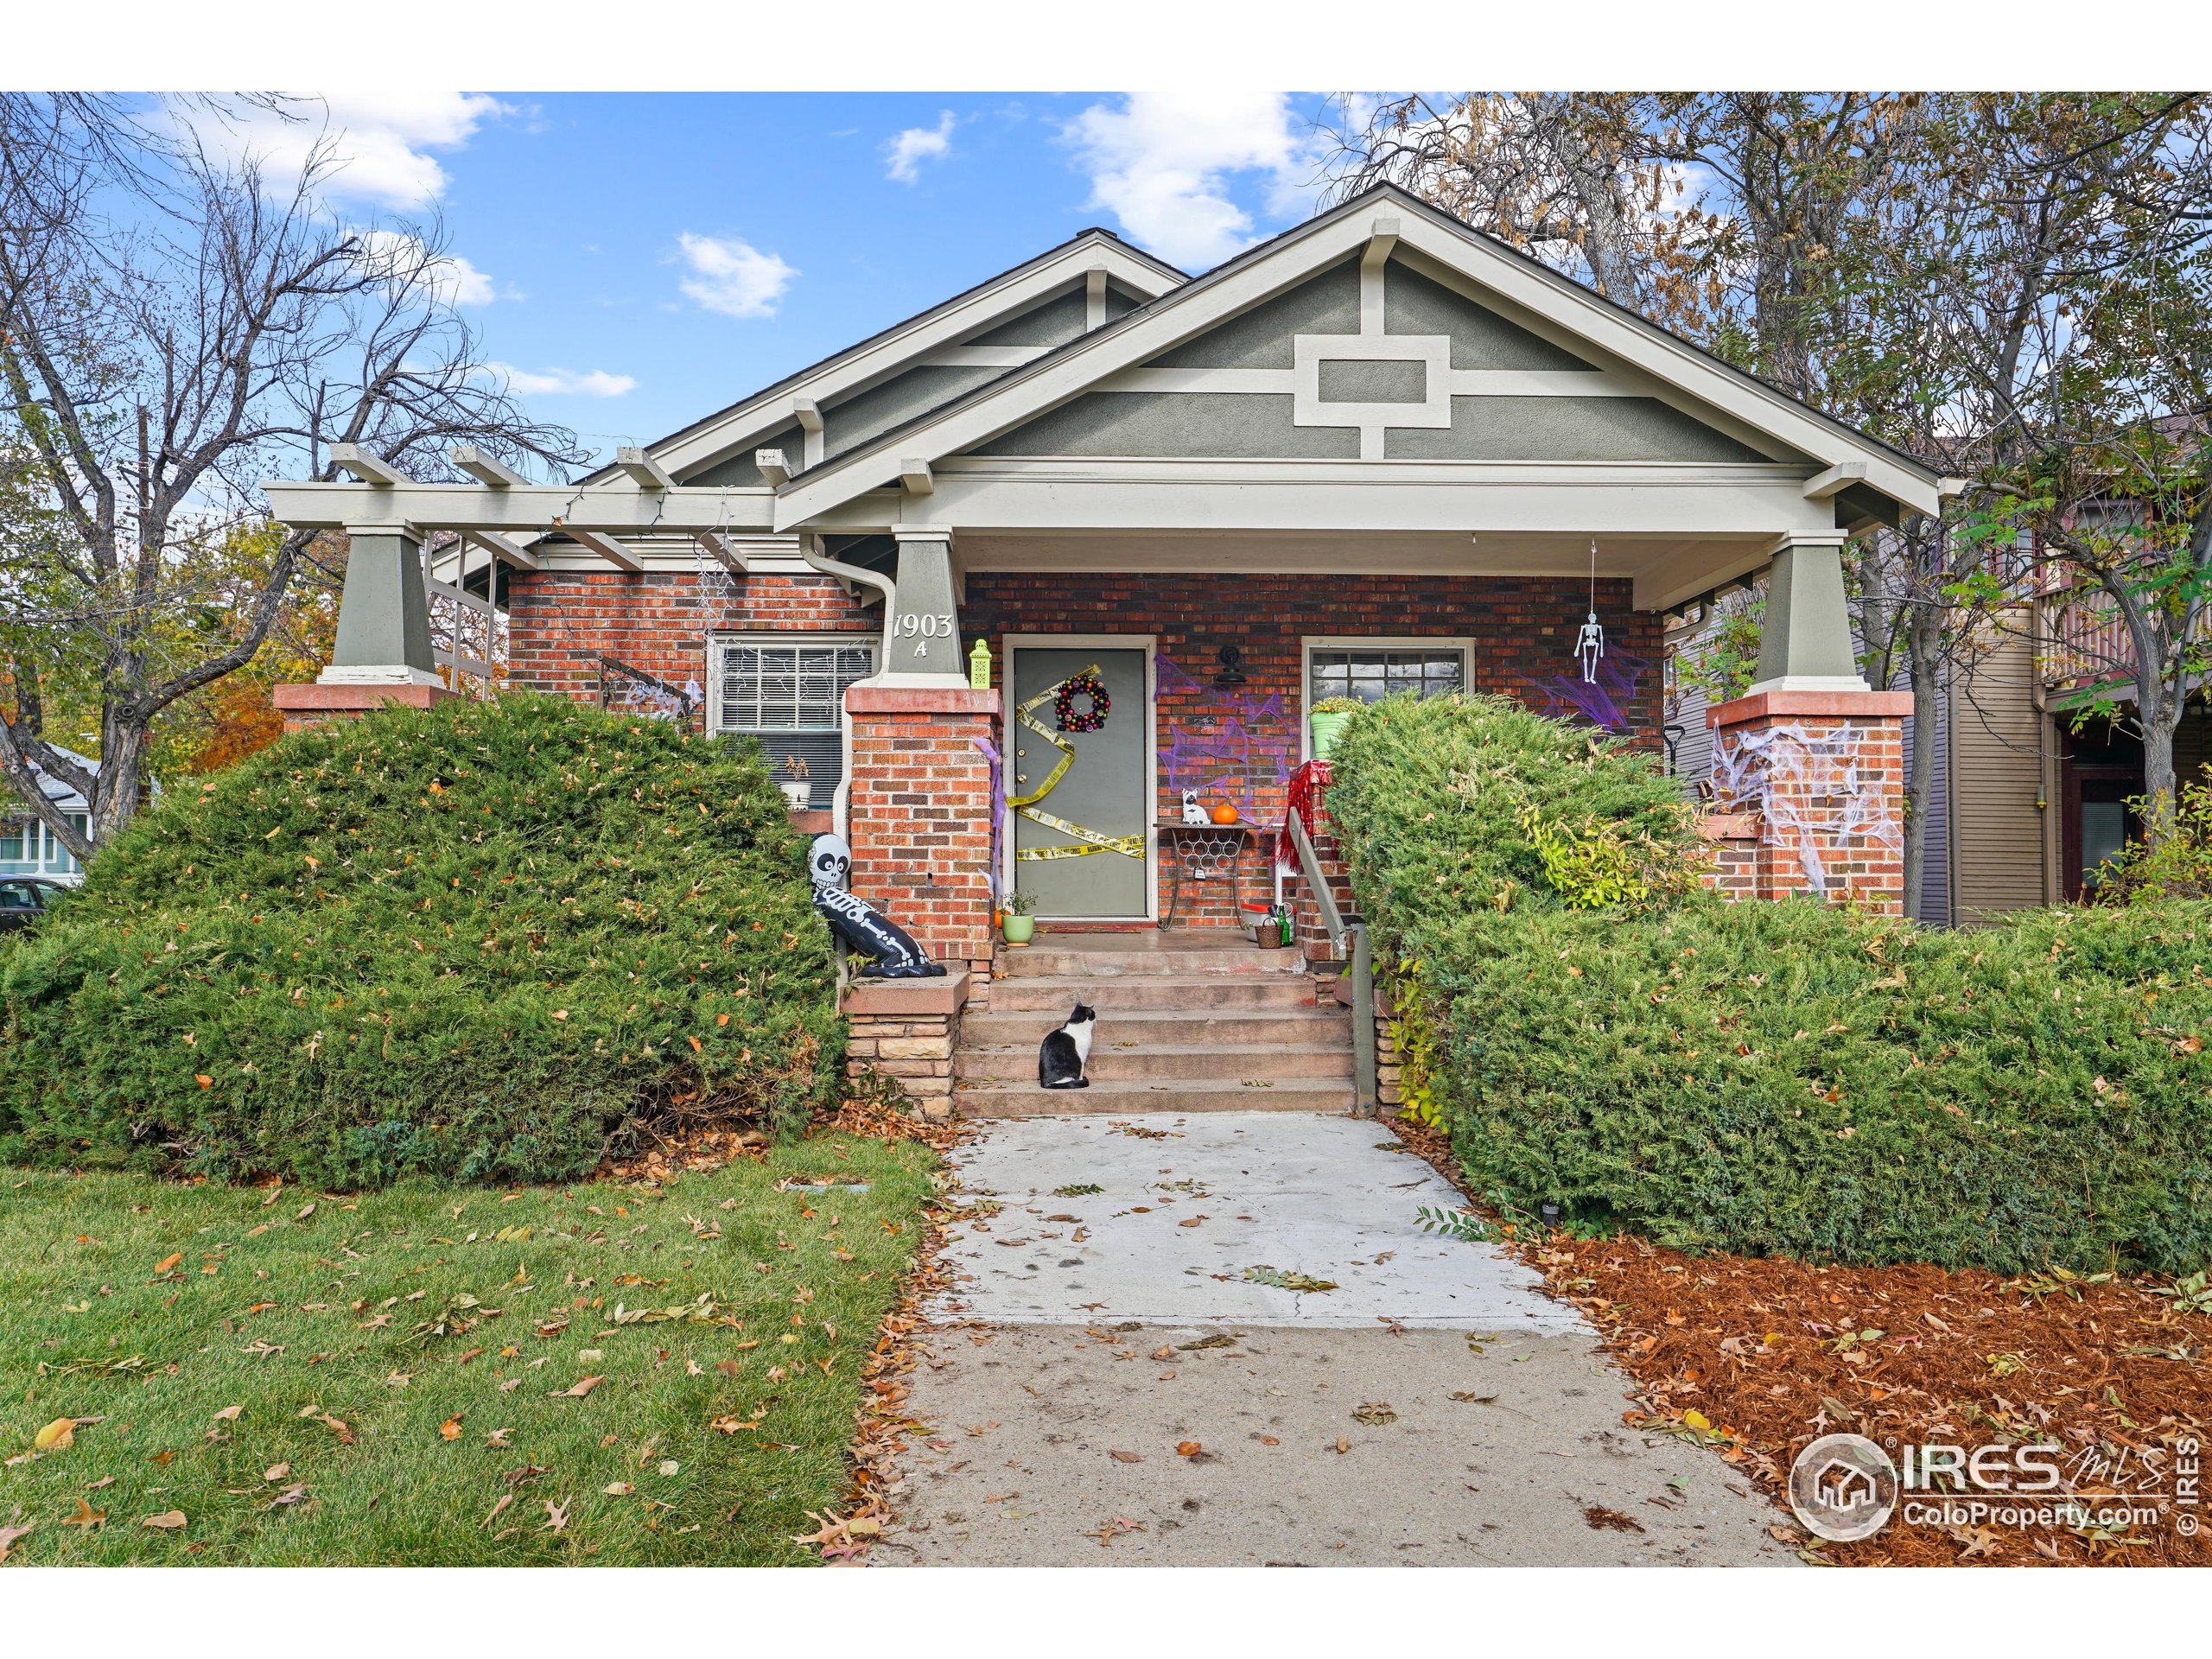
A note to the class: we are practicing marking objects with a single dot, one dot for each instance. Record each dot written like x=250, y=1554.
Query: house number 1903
x=922, y=627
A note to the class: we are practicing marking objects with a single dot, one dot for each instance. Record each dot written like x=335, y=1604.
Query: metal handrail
x=1341, y=934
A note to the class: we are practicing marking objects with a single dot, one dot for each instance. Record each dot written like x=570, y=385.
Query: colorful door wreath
x=1085, y=684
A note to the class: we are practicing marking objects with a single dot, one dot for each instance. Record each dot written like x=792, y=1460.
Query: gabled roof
x=904, y=345
x=1673, y=369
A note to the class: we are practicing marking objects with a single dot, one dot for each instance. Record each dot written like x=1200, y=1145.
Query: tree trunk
x=2159, y=784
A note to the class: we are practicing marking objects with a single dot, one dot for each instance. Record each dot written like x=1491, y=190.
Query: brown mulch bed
x=1756, y=1357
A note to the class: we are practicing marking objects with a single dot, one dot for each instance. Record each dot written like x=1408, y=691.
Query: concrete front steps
x=1193, y=1020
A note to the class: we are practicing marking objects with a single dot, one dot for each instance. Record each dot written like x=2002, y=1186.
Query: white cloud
x=731, y=275
x=453, y=279
x=562, y=382
x=382, y=141
x=1163, y=164
x=915, y=145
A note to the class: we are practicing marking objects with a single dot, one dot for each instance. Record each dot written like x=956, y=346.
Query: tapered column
x=384, y=616
x=1805, y=644
x=921, y=636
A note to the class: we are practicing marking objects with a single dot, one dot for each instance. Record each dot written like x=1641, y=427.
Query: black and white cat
x=1064, y=1053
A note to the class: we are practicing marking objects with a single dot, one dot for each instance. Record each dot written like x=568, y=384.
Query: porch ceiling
x=1667, y=569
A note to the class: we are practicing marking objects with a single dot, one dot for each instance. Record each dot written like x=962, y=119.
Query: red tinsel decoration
x=1306, y=786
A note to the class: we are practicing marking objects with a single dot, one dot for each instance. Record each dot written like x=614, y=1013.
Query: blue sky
x=638, y=261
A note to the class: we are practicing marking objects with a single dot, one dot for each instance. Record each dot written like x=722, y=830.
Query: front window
x=28, y=848
x=1372, y=673
x=790, y=693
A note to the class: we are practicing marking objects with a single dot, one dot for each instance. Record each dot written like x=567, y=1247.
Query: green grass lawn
x=305, y=1378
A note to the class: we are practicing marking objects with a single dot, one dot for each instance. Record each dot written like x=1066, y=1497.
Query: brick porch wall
x=1237, y=745
x=1240, y=745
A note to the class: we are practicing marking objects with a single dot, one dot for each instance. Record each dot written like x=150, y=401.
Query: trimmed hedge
x=1789, y=1078
x=492, y=941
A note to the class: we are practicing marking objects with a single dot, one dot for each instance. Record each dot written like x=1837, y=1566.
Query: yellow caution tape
x=1087, y=841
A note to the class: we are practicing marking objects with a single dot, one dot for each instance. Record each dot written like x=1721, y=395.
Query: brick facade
x=1237, y=745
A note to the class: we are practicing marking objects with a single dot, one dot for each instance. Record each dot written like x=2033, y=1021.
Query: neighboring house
x=28, y=847
x=2037, y=805
x=1378, y=452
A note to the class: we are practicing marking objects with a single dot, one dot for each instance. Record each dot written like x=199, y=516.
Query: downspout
x=841, y=798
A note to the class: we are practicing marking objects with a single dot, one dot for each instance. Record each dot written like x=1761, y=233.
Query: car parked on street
x=23, y=899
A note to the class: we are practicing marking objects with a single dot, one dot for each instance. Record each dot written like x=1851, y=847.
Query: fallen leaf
x=9, y=1535
x=1188, y=1448
x=229, y=1414
x=1343, y=1443
x=556, y=1515
x=87, y=1517
x=167, y=1521
x=343, y=1431
x=1163, y=1352
x=306, y=1209
x=505, y=1498
x=618, y=1489
x=1126, y=1457
x=276, y=1471
x=1599, y=1518
x=450, y=1429
x=57, y=1436
x=498, y=1437
x=579, y=1390
x=168, y=1262
x=1269, y=1439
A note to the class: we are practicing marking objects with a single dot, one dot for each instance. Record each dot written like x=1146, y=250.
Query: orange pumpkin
x=1224, y=813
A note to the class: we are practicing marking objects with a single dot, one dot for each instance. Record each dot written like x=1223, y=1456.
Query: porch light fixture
x=1231, y=674
x=1590, y=642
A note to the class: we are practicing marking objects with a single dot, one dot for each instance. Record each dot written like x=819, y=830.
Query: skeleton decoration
x=1590, y=639
x=859, y=924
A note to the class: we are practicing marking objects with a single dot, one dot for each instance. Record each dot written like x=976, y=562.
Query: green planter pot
x=1019, y=928
x=1327, y=728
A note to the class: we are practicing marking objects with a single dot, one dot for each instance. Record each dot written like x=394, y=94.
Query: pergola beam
x=645, y=472
x=521, y=509
x=725, y=552
x=505, y=549
x=487, y=470
x=367, y=466
x=606, y=546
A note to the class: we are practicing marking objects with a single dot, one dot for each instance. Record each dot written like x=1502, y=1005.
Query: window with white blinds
x=790, y=693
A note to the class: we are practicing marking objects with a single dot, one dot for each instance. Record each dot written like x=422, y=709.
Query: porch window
x=789, y=693
x=1373, y=672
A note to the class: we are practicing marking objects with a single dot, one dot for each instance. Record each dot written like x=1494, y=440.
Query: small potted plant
x=1020, y=926
x=1328, y=719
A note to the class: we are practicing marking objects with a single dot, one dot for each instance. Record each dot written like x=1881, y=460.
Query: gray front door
x=1105, y=795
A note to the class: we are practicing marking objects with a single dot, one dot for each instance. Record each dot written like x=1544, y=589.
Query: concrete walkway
x=1122, y=1377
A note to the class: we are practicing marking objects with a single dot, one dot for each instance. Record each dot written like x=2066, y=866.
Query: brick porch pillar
x=1821, y=775
x=303, y=706
x=919, y=821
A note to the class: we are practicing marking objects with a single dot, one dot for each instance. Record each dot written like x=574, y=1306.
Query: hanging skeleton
x=1590, y=640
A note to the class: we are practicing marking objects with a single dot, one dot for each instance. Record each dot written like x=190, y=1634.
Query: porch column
x=919, y=817
x=921, y=624
x=384, y=615
x=382, y=651
x=1808, y=764
x=1805, y=644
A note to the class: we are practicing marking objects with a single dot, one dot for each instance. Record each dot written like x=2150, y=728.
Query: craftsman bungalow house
x=1378, y=452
